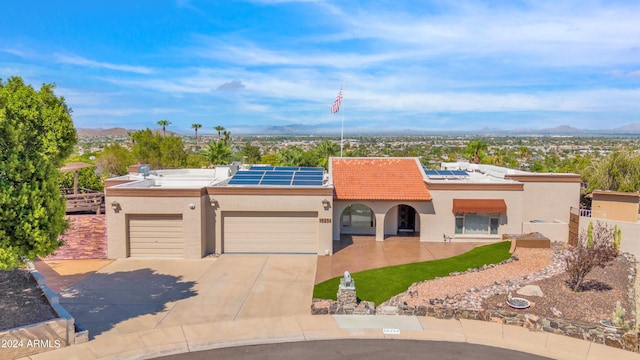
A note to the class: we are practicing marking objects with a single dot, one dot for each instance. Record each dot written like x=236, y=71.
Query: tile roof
x=378, y=179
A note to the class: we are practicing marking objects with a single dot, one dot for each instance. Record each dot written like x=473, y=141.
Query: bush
x=597, y=247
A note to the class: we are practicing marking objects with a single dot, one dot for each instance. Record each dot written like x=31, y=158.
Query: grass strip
x=379, y=285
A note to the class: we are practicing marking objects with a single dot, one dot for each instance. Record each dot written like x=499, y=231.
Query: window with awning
x=479, y=206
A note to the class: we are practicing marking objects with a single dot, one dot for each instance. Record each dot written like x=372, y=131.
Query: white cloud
x=80, y=61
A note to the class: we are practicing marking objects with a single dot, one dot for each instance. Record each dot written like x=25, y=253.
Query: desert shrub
x=597, y=247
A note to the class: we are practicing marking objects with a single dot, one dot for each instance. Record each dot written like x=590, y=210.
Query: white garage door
x=156, y=236
x=270, y=232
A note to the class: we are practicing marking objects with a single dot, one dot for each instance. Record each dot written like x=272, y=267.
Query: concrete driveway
x=131, y=295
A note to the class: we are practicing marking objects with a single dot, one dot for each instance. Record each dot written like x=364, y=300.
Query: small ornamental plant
x=596, y=247
x=617, y=318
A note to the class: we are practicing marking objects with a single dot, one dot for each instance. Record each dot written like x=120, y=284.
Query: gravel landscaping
x=21, y=300
x=488, y=288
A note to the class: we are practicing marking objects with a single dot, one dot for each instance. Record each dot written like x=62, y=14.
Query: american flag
x=336, y=104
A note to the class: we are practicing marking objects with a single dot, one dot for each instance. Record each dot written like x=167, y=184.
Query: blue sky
x=247, y=65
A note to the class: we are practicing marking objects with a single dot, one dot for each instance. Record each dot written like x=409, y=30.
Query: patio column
x=380, y=227
x=423, y=226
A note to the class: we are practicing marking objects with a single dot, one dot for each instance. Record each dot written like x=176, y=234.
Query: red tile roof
x=378, y=179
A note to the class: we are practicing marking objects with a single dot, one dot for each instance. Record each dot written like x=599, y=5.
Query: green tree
x=114, y=160
x=219, y=129
x=172, y=153
x=146, y=147
x=326, y=149
x=475, y=150
x=274, y=159
x=217, y=152
x=226, y=137
x=164, y=124
x=196, y=127
x=158, y=151
x=37, y=134
x=87, y=179
x=619, y=171
x=252, y=152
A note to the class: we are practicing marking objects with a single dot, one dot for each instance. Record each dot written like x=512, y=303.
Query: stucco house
x=189, y=213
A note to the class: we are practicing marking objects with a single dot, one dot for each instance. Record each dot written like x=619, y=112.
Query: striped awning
x=479, y=206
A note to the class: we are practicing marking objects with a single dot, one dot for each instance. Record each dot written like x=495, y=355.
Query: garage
x=156, y=236
x=270, y=232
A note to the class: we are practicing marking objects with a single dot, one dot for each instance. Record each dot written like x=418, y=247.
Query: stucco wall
x=630, y=233
x=275, y=203
x=554, y=231
x=194, y=228
x=442, y=220
x=550, y=201
x=386, y=213
x=615, y=207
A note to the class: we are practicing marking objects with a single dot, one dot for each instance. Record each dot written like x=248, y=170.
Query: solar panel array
x=279, y=176
x=446, y=173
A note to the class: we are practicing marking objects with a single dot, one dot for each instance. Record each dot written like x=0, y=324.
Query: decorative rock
x=530, y=290
x=556, y=312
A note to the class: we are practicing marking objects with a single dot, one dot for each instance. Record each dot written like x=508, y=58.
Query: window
x=477, y=224
x=358, y=216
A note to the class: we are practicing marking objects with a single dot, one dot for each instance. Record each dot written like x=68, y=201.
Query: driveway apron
x=132, y=295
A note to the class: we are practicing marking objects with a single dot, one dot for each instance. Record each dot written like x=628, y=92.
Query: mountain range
x=303, y=129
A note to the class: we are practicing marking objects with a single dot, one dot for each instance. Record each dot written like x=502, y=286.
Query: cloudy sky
x=247, y=65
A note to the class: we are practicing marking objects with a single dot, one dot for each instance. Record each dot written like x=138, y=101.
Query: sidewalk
x=188, y=338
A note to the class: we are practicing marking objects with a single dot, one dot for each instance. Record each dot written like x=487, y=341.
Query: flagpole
x=342, y=128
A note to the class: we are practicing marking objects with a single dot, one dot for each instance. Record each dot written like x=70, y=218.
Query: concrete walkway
x=186, y=338
x=357, y=253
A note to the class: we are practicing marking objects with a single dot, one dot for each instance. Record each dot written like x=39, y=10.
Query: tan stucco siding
x=550, y=201
x=194, y=230
x=615, y=206
x=386, y=215
x=442, y=220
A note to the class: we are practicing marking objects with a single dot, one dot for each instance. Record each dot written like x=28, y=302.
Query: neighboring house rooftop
x=378, y=179
x=175, y=178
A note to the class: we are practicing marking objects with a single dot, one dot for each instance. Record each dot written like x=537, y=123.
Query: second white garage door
x=270, y=232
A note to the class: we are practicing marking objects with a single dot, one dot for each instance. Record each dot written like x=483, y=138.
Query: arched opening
x=402, y=219
x=358, y=219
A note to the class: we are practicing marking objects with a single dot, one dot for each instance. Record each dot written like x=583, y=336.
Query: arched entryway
x=402, y=219
x=358, y=219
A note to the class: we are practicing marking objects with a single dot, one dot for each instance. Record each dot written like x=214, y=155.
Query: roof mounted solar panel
x=460, y=173
x=290, y=168
x=258, y=167
x=307, y=182
x=311, y=169
x=431, y=172
x=244, y=181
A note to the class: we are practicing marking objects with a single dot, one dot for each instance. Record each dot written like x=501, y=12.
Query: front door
x=406, y=218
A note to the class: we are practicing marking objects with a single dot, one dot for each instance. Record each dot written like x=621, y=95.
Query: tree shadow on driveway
x=138, y=299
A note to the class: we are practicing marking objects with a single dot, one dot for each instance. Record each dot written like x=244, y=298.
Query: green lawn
x=379, y=285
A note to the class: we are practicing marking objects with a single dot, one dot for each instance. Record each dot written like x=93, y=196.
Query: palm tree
x=226, y=136
x=196, y=127
x=475, y=150
x=219, y=129
x=217, y=152
x=164, y=124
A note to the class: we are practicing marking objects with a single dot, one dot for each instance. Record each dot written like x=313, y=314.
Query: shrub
x=597, y=247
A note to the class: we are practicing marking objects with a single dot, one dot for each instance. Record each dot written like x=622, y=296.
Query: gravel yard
x=488, y=289
x=21, y=300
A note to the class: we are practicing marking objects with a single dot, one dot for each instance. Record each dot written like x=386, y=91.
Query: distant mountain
x=564, y=129
x=322, y=129
x=112, y=132
x=291, y=129
x=633, y=128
